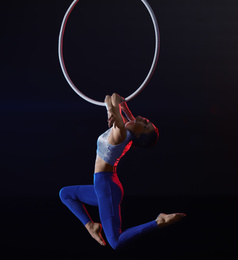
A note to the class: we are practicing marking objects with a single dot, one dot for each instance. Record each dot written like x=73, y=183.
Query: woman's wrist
x=127, y=111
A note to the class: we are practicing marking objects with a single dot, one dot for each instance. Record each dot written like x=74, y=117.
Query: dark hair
x=146, y=140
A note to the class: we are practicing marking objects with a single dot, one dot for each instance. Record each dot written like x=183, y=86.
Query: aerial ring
x=149, y=75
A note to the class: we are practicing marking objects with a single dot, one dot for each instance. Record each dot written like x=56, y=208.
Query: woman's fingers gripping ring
x=111, y=120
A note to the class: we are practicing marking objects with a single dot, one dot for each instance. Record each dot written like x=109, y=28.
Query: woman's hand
x=115, y=119
x=114, y=110
x=111, y=120
x=117, y=99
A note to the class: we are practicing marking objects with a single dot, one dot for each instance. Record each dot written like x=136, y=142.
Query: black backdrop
x=48, y=133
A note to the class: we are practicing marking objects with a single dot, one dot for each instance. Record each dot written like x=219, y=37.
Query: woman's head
x=145, y=133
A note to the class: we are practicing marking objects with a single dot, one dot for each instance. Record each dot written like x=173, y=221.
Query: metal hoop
x=66, y=75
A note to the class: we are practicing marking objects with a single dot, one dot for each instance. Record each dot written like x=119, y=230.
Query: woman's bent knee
x=62, y=194
x=68, y=192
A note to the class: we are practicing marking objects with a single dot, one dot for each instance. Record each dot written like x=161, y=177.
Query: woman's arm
x=115, y=119
x=127, y=111
x=116, y=103
x=112, y=113
x=109, y=107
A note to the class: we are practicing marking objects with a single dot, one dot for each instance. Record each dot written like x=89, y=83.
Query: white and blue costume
x=106, y=194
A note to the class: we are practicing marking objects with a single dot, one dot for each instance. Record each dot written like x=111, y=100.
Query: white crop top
x=112, y=154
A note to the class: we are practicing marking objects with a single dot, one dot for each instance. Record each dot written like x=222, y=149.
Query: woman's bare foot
x=164, y=220
x=95, y=230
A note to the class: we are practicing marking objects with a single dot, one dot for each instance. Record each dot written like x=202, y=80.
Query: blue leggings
x=107, y=194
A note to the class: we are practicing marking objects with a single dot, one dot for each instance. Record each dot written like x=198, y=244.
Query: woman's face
x=139, y=126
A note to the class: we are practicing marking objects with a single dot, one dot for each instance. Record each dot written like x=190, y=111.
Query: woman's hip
x=108, y=183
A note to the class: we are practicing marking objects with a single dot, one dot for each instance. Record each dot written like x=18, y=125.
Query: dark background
x=48, y=133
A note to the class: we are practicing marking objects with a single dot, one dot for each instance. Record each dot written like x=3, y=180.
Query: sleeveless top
x=112, y=154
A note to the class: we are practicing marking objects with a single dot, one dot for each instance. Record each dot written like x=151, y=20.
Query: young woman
x=107, y=191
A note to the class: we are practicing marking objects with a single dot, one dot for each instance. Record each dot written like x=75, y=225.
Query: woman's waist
x=102, y=176
x=102, y=166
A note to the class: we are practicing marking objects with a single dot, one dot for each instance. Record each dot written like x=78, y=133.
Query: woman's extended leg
x=74, y=197
x=109, y=193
